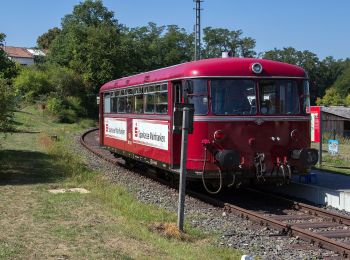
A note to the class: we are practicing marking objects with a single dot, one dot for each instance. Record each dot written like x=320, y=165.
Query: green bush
x=331, y=98
x=75, y=104
x=68, y=116
x=31, y=83
x=86, y=123
x=54, y=105
x=65, y=82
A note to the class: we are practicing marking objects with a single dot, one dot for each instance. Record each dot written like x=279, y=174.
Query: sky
x=320, y=26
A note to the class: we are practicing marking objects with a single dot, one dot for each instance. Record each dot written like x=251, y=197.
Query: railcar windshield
x=233, y=97
x=279, y=97
x=197, y=94
x=306, y=97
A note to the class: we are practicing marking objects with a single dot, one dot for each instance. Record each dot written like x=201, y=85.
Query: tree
x=176, y=46
x=331, y=98
x=89, y=43
x=8, y=69
x=31, y=83
x=7, y=105
x=151, y=47
x=44, y=41
x=342, y=84
x=328, y=71
x=2, y=38
x=305, y=59
x=217, y=40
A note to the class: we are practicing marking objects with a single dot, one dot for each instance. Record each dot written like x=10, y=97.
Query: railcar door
x=176, y=137
x=101, y=118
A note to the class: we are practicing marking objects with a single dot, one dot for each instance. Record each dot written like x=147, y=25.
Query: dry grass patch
x=169, y=230
x=45, y=141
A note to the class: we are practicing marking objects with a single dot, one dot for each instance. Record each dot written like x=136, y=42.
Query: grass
x=337, y=164
x=105, y=223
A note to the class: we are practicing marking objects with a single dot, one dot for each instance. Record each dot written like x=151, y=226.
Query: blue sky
x=320, y=26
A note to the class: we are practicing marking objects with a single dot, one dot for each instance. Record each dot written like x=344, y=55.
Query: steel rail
x=311, y=210
x=286, y=229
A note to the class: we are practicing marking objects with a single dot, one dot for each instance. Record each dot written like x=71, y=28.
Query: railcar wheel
x=129, y=163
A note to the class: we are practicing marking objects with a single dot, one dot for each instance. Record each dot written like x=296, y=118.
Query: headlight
x=257, y=68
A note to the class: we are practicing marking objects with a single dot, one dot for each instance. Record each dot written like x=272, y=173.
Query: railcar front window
x=233, y=97
x=197, y=94
x=279, y=97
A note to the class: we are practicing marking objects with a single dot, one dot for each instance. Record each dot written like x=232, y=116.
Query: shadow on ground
x=18, y=167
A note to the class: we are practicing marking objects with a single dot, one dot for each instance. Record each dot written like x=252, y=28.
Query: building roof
x=17, y=52
x=338, y=111
x=37, y=52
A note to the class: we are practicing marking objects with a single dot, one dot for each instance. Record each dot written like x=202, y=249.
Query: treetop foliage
x=89, y=44
x=2, y=38
x=90, y=13
x=44, y=41
x=218, y=40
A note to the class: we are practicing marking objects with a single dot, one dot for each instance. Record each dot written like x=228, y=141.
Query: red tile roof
x=17, y=52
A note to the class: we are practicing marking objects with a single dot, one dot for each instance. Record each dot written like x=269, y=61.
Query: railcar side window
x=129, y=101
x=107, y=103
x=233, y=97
x=138, y=100
x=149, y=99
x=197, y=94
x=162, y=100
x=279, y=97
x=122, y=104
x=114, y=102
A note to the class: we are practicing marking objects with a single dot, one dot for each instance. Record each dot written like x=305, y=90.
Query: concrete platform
x=323, y=188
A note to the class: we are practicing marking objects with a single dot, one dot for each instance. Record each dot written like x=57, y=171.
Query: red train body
x=250, y=122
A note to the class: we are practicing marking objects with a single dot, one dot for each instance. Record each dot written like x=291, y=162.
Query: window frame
x=155, y=89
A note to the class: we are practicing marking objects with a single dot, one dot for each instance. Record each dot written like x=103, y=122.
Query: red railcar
x=250, y=122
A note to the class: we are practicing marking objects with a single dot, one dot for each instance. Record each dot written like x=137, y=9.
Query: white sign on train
x=151, y=133
x=116, y=128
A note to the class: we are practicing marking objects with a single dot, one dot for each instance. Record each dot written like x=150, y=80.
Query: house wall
x=332, y=122
x=23, y=61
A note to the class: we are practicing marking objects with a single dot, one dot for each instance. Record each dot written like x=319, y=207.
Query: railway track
x=320, y=227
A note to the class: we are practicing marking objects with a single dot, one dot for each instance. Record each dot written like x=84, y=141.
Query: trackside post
x=182, y=185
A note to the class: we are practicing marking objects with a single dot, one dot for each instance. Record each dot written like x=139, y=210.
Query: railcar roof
x=217, y=67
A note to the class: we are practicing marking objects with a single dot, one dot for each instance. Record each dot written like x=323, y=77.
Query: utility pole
x=197, y=41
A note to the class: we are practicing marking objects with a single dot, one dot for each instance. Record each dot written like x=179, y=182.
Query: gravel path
x=233, y=231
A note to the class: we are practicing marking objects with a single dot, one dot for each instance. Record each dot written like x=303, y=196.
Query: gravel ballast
x=235, y=232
